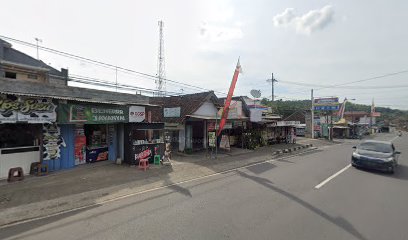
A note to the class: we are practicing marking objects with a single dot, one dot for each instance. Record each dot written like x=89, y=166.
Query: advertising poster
x=80, y=145
x=211, y=139
x=31, y=110
x=225, y=144
x=52, y=141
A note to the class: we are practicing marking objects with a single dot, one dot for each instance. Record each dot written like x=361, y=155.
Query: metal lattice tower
x=161, y=70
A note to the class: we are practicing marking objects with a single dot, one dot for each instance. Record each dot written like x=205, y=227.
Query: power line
x=103, y=64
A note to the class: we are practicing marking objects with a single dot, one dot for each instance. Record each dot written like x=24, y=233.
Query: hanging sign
x=137, y=114
x=52, y=141
x=92, y=114
x=32, y=110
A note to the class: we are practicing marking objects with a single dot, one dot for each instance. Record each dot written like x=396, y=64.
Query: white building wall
x=206, y=110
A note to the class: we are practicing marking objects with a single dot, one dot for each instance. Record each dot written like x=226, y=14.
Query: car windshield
x=375, y=146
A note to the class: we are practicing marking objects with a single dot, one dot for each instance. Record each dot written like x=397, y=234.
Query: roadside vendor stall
x=143, y=141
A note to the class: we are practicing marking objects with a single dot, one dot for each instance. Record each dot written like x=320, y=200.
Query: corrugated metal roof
x=78, y=99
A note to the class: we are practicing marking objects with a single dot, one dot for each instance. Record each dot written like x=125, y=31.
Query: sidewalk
x=95, y=183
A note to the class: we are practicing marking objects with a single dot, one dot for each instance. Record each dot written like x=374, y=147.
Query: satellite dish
x=256, y=93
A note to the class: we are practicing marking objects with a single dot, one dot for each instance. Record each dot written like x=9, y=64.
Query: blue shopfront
x=92, y=133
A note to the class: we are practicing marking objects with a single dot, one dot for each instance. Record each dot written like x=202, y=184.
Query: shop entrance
x=96, y=142
x=197, y=135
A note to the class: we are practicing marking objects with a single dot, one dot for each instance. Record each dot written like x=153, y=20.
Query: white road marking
x=147, y=191
x=332, y=176
x=392, y=140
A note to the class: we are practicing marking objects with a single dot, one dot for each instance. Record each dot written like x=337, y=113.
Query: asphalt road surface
x=310, y=196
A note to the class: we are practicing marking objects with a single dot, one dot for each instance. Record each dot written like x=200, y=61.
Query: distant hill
x=388, y=115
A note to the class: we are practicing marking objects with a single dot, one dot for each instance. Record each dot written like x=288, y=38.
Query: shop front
x=144, y=141
x=94, y=130
x=28, y=132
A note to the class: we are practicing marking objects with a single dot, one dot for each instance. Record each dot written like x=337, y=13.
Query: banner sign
x=326, y=101
x=326, y=108
x=52, y=141
x=80, y=145
x=92, y=114
x=172, y=112
x=287, y=123
x=211, y=126
x=137, y=114
x=224, y=143
x=211, y=139
x=255, y=115
x=326, y=104
x=229, y=98
x=24, y=109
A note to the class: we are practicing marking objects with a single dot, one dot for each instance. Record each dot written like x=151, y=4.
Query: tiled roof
x=15, y=56
x=188, y=104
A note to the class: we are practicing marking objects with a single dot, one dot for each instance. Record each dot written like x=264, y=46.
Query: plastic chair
x=144, y=164
x=156, y=160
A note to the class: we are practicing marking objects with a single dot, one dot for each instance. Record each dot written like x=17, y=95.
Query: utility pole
x=272, y=80
x=312, y=113
x=37, y=41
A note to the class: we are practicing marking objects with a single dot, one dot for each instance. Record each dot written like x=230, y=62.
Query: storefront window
x=19, y=135
x=96, y=135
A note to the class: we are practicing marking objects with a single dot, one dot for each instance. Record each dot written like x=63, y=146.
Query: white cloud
x=215, y=33
x=309, y=22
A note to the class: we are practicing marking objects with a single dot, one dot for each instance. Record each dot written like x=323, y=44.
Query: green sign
x=92, y=114
x=211, y=139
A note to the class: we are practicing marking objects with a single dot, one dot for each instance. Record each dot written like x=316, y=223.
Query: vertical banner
x=52, y=141
x=80, y=145
x=229, y=97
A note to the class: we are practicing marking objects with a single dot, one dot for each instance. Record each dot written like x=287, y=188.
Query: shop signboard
x=256, y=114
x=287, y=123
x=92, y=114
x=137, y=114
x=26, y=109
x=52, y=141
x=211, y=126
x=326, y=104
x=171, y=112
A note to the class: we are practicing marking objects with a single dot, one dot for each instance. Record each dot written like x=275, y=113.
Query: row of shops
x=63, y=133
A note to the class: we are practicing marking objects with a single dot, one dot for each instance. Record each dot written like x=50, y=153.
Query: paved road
x=273, y=200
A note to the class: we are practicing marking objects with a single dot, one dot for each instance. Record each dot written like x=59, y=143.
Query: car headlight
x=389, y=159
x=356, y=155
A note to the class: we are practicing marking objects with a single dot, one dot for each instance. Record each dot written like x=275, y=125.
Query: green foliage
x=286, y=108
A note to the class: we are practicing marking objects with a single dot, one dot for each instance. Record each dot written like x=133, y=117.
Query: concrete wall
x=207, y=109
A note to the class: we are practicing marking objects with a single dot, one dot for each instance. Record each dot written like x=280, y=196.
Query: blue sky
x=313, y=42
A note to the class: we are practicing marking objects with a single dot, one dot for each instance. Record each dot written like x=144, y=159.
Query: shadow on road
x=261, y=168
x=338, y=221
x=401, y=172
